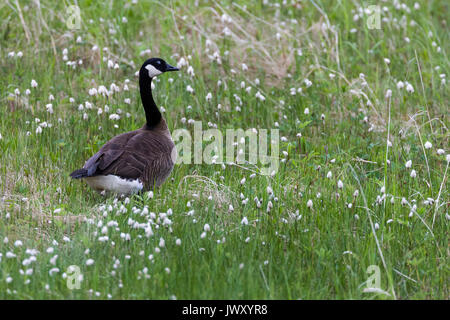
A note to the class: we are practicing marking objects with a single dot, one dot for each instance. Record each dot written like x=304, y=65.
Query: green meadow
x=357, y=208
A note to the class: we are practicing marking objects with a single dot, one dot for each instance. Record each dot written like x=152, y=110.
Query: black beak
x=171, y=68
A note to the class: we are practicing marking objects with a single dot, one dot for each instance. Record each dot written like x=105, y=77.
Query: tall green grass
x=291, y=251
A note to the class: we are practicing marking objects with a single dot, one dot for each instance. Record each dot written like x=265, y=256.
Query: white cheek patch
x=152, y=71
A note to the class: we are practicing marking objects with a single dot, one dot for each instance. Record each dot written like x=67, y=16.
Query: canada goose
x=136, y=160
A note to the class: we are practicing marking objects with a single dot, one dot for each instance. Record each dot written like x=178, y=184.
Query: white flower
x=190, y=71
x=447, y=157
x=306, y=111
x=309, y=204
x=439, y=151
x=18, y=243
x=260, y=96
x=103, y=91
x=162, y=243
x=209, y=96
x=428, y=145
x=400, y=85
x=10, y=255
x=178, y=242
x=49, y=108
x=308, y=83
x=409, y=88
x=377, y=226
x=89, y=262
x=408, y=164
x=34, y=84
x=244, y=221
x=388, y=93
x=53, y=270
x=413, y=173
x=387, y=61
x=340, y=184
x=329, y=175
x=207, y=227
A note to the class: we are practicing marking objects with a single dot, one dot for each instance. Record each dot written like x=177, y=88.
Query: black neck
x=152, y=114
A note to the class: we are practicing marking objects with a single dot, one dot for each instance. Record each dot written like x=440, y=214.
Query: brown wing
x=138, y=154
x=109, y=153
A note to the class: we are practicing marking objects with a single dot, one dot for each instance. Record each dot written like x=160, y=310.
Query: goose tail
x=80, y=173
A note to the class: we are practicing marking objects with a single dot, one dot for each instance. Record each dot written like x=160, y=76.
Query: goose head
x=156, y=66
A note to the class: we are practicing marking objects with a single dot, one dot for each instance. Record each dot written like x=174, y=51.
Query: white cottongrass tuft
x=10, y=255
x=408, y=164
x=428, y=145
x=409, y=88
x=89, y=262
